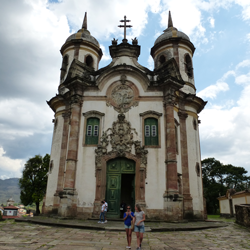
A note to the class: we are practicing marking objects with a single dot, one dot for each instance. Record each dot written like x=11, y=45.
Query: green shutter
x=151, y=131
x=92, y=131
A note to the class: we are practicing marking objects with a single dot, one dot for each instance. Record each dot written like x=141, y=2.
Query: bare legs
x=129, y=236
x=139, y=238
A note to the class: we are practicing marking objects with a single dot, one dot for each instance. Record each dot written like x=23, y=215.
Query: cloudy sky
x=33, y=31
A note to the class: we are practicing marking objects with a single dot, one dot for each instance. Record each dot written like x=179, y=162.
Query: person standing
x=139, y=225
x=105, y=211
x=123, y=208
x=128, y=217
x=102, y=213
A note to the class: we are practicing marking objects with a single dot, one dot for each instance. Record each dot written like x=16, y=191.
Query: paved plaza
x=24, y=235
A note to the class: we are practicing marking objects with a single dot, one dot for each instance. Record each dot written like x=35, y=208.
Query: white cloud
x=212, y=21
x=245, y=63
x=243, y=79
x=105, y=56
x=103, y=21
x=213, y=90
x=150, y=63
x=225, y=130
x=13, y=167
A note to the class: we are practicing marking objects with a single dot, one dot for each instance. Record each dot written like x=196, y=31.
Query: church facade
x=124, y=133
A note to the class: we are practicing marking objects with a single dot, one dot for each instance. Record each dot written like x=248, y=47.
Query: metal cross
x=125, y=26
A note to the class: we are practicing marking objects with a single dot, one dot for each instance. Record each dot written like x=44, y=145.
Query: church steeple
x=84, y=24
x=170, y=22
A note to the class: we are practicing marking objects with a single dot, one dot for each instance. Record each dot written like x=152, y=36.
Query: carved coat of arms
x=122, y=96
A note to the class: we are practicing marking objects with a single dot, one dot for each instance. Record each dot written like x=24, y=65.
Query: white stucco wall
x=84, y=51
x=85, y=177
x=55, y=157
x=224, y=206
x=248, y=199
x=238, y=201
x=182, y=52
x=194, y=157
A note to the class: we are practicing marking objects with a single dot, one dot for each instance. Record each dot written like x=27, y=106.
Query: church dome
x=83, y=34
x=171, y=32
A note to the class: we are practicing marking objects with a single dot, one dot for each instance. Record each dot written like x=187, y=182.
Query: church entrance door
x=120, y=184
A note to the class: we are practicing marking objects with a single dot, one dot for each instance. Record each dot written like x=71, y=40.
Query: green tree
x=217, y=178
x=34, y=180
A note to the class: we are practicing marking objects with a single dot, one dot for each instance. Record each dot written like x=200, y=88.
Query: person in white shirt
x=102, y=214
x=105, y=211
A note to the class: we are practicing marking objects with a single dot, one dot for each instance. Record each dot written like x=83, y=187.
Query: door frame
x=101, y=173
x=118, y=174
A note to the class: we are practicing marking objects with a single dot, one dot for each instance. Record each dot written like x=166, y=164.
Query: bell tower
x=175, y=44
x=81, y=46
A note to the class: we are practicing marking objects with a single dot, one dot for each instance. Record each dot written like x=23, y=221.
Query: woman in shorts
x=139, y=225
x=128, y=217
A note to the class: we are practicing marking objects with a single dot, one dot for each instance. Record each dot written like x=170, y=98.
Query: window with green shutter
x=92, y=131
x=151, y=132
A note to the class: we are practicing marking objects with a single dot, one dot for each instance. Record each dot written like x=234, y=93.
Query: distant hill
x=9, y=188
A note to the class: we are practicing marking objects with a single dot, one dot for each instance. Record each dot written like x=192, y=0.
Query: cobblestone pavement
x=32, y=236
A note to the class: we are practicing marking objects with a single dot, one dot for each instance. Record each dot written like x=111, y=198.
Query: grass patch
x=218, y=218
x=213, y=216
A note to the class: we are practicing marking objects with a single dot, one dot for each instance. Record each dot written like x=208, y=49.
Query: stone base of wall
x=151, y=214
x=242, y=213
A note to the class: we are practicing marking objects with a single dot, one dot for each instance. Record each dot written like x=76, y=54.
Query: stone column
x=68, y=204
x=60, y=180
x=171, y=162
x=71, y=160
x=172, y=200
x=187, y=199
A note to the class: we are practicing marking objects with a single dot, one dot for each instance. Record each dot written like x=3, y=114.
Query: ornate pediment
x=121, y=139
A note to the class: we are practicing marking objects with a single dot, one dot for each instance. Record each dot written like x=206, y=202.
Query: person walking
x=128, y=217
x=139, y=225
x=102, y=213
x=105, y=211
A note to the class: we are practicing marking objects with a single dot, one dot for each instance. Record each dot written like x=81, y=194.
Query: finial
x=84, y=24
x=170, y=22
x=125, y=21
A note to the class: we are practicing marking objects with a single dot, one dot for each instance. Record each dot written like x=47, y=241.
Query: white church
x=124, y=133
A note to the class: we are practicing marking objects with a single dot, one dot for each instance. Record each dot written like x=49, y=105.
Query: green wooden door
x=115, y=169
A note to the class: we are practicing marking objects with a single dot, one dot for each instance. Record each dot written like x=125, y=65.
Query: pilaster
x=60, y=181
x=187, y=199
x=171, y=162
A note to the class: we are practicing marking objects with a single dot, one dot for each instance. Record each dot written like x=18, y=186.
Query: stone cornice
x=192, y=100
x=124, y=49
x=56, y=102
x=81, y=42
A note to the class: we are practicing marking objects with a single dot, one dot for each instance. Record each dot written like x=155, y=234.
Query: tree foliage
x=218, y=178
x=34, y=180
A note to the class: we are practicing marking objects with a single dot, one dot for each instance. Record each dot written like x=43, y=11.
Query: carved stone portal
x=120, y=136
x=121, y=139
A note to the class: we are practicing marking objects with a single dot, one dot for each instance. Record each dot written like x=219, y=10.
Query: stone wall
x=243, y=214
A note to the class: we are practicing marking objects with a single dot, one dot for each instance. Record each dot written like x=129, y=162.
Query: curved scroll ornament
x=120, y=136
